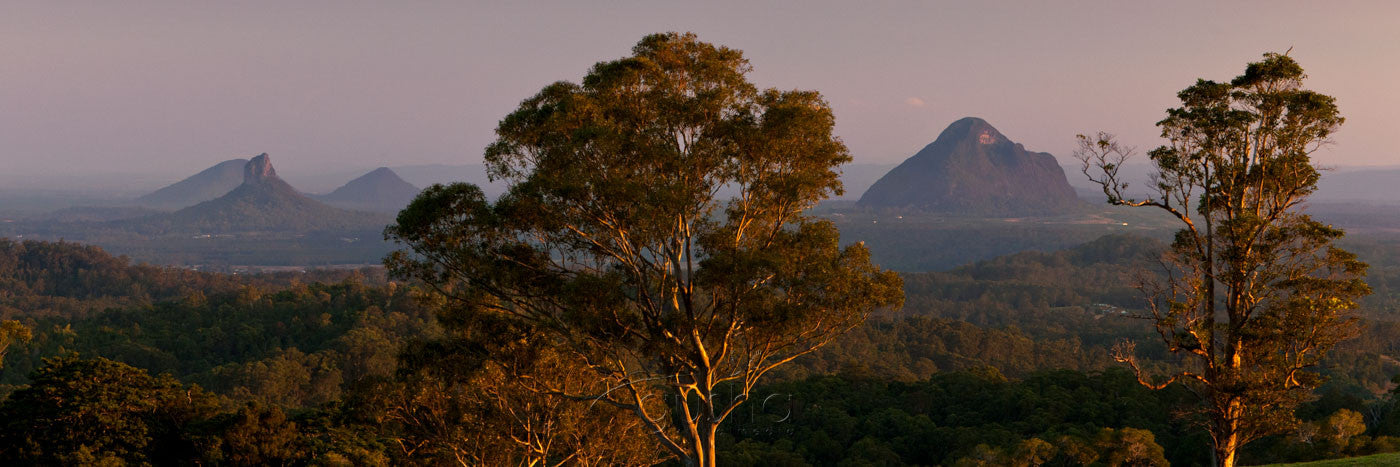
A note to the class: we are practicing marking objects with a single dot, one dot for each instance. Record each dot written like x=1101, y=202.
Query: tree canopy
x=1253, y=292
x=655, y=228
x=80, y=411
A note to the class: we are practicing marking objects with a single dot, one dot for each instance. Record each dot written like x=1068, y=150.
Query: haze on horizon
x=169, y=88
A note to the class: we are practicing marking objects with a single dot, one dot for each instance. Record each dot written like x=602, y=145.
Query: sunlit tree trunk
x=1227, y=448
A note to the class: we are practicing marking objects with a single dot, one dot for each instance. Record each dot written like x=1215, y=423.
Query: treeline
x=975, y=417
x=91, y=411
x=364, y=246
x=912, y=241
x=298, y=347
x=70, y=280
x=80, y=411
x=1050, y=417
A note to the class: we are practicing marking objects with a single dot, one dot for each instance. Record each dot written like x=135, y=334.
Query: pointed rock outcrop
x=259, y=169
x=973, y=169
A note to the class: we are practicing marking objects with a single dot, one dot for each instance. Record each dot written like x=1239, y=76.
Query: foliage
x=80, y=411
x=1254, y=292
x=964, y=417
x=913, y=348
x=70, y=280
x=12, y=332
x=255, y=435
x=471, y=397
x=916, y=242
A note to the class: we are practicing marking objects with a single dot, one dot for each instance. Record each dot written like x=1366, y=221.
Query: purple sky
x=173, y=87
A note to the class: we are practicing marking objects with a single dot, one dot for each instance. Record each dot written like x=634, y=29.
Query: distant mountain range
x=972, y=169
x=380, y=190
x=389, y=189
x=262, y=202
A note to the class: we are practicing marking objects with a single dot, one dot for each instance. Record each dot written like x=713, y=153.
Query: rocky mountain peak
x=973, y=169
x=971, y=135
x=259, y=169
x=972, y=128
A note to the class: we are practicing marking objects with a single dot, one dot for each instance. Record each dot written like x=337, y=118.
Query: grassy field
x=1378, y=459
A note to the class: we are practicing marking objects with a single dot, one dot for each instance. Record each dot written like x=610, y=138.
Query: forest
x=988, y=364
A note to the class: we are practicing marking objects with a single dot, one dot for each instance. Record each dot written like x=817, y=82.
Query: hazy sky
x=174, y=87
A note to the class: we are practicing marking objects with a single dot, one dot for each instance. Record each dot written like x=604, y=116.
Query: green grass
x=1377, y=459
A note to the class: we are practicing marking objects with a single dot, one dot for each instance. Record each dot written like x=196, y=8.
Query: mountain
x=262, y=203
x=973, y=169
x=208, y=184
x=380, y=191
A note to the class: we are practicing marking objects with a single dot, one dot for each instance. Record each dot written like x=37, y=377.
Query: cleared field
x=1377, y=459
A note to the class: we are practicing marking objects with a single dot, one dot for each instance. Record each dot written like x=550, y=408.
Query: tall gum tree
x=1253, y=293
x=654, y=229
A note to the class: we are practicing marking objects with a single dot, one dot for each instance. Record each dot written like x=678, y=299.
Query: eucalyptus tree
x=655, y=230
x=1253, y=292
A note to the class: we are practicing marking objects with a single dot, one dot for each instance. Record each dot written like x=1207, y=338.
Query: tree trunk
x=1234, y=411
x=1225, y=454
x=702, y=442
x=1229, y=442
x=708, y=457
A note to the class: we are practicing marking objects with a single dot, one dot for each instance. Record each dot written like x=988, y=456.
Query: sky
x=174, y=87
